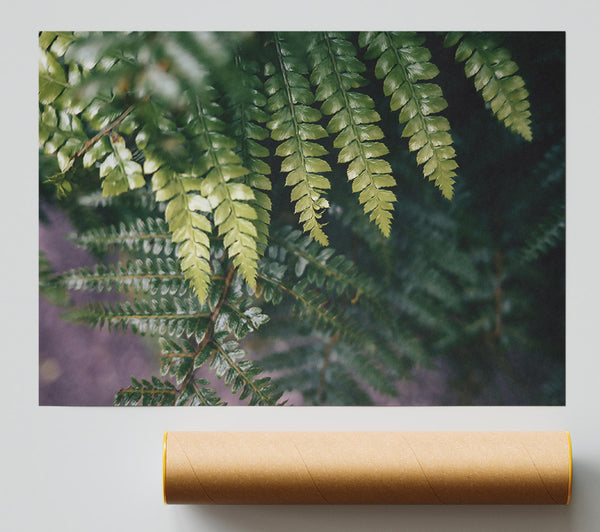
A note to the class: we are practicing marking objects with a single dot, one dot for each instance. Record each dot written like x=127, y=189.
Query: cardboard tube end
x=570, y=467
x=164, y=467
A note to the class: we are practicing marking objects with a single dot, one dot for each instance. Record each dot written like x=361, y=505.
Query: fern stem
x=104, y=132
x=53, y=80
x=199, y=395
x=209, y=329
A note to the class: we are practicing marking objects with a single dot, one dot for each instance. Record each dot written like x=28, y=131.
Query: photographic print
x=302, y=218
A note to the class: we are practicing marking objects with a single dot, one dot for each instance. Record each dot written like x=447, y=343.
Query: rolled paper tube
x=367, y=467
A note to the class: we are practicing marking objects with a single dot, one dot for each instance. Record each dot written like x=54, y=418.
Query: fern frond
x=404, y=64
x=241, y=374
x=495, y=78
x=177, y=359
x=198, y=393
x=336, y=71
x=316, y=309
x=294, y=124
x=157, y=316
x=147, y=393
x=187, y=227
x=153, y=276
x=248, y=115
x=343, y=388
x=56, y=42
x=61, y=134
x=118, y=171
x=321, y=370
x=143, y=201
x=293, y=358
x=309, y=304
x=545, y=235
x=52, y=76
x=372, y=370
x=228, y=196
x=322, y=267
x=150, y=235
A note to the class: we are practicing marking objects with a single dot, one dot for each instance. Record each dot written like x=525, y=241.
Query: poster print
x=304, y=218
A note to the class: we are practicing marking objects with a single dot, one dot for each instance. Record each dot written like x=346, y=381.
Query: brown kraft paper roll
x=367, y=468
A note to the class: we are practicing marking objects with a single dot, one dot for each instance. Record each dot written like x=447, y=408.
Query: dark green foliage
x=227, y=180
x=336, y=71
x=294, y=123
x=404, y=64
x=493, y=72
x=156, y=316
x=147, y=236
x=154, y=276
x=147, y=393
x=54, y=292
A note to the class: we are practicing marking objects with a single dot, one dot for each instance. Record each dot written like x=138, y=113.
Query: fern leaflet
x=247, y=117
x=153, y=276
x=495, y=78
x=147, y=393
x=404, y=64
x=294, y=123
x=336, y=71
x=222, y=186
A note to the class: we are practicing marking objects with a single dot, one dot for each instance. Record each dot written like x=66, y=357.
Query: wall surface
x=98, y=469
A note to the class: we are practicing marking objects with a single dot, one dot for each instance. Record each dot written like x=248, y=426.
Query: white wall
x=99, y=469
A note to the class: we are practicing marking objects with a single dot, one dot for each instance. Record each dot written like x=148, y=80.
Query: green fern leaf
x=150, y=236
x=154, y=276
x=62, y=135
x=294, y=123
x=545, y=235
x=322, y=267
x=343, y=388
x=57, y=42
x=118, y=172
x=228, y=196
x=147, y=393
x=188, y=228
x=177, y=359
x=157, y=316
x=313, y=307
x=404, y=64
x=336, y=72
x=241, y=374
x=198, y=393
x=248, y=114
x=52, y=78
x=493, y=73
